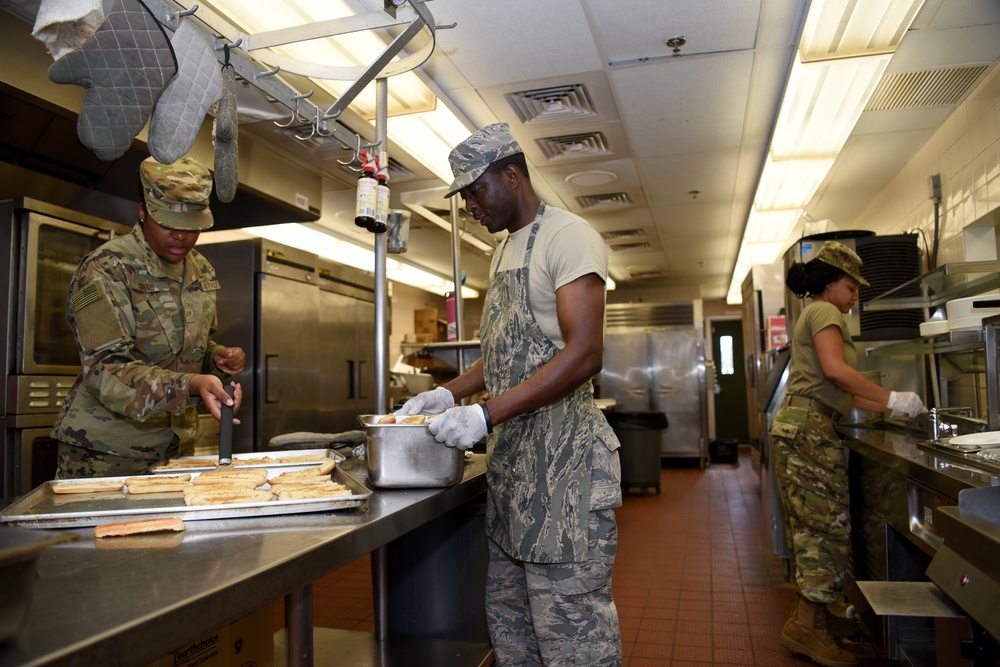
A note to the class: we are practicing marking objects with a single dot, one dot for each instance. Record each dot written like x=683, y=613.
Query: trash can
x=640, y=434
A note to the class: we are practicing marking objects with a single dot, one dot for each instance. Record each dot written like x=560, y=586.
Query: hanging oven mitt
x=186, y=100
x=225, y=134
x=65, y=25
x=124, y=66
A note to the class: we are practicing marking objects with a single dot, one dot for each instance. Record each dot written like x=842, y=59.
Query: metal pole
x=380, y=575
x=456, y=255
x=299, y=627
x=381, y=284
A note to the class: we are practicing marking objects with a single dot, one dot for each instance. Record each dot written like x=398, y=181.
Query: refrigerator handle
x=353, y=380
x=270, y=389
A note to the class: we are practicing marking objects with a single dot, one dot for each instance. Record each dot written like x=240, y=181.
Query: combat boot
x=841, y=621
x=805, y=633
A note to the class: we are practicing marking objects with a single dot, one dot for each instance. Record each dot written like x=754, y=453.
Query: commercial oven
x=43, y=244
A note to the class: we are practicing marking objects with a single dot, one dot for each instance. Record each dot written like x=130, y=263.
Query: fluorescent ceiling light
x=324, y=245
x=846, y=28
x=822, y=104
x=430, y=135
x=845, y=48
x=790, y=183
x=770, y=226
x=759, y=253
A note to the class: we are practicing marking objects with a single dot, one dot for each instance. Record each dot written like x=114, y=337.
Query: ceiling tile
x=684, y=105
x=553, y=38
x=640, y=29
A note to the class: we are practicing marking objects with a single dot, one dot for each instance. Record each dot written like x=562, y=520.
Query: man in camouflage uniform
x=809, y=458
x=142, y=310
x=553, y=472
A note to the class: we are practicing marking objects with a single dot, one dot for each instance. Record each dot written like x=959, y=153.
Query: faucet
x=937, y=426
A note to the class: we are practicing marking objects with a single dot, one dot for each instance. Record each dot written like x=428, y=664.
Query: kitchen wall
x=965, y=151
x=405, y=300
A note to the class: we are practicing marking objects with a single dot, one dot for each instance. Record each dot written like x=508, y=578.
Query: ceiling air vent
x=575, y=146
x=623, y=235
x=930, y=88
x=606, y=202
x=563, y=103
x=630, y=247
x=647, y=271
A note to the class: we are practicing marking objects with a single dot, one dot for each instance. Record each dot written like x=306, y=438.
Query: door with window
x=731, y=416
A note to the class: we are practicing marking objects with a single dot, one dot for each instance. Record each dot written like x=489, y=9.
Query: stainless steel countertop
x=98, y=605
x=942, y=470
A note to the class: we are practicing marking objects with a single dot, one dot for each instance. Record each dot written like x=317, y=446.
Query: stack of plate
x=934, y=328
x=967, y=314
x=987, y=439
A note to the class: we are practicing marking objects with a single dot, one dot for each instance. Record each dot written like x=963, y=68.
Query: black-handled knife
x=226, y=431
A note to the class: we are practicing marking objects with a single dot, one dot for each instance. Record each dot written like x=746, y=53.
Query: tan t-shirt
x=567, y=247
x=806, y=375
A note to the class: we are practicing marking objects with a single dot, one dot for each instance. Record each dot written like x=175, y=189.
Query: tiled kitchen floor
x=694, y=580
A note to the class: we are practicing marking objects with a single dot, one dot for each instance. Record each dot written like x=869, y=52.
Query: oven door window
x=55, y=249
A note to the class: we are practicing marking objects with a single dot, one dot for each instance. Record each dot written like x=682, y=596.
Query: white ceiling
x=682, y=137
x=685, y=134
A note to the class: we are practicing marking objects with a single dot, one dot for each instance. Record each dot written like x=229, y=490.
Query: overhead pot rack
x=241, y=51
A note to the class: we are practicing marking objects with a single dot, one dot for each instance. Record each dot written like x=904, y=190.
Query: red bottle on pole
x=364, y=202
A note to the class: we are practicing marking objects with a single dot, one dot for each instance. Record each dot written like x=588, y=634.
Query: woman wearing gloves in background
x=810, y=460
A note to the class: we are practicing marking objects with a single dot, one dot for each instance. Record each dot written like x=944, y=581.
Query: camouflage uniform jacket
x=141, y=333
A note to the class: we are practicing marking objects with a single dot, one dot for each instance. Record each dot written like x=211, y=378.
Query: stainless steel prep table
x=899, y=450
x=125, y=607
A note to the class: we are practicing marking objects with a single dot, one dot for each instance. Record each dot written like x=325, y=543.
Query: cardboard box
x=425, y=317
x=248, y=641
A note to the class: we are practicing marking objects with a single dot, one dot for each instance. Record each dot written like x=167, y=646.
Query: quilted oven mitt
x=225, y=134
x=124, y=66
x=186, y=100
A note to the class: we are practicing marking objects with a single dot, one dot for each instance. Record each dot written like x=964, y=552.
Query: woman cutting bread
x=142, y=310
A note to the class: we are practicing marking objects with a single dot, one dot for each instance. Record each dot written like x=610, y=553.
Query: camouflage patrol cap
x=839, y=255
x=177, y=194
x=470, y=158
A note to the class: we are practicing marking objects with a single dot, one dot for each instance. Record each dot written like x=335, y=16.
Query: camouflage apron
x=539, y=463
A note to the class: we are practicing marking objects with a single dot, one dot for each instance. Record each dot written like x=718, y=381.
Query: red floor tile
x=695, y=582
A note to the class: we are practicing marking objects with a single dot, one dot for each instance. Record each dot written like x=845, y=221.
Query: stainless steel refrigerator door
x=626, y=373
x=366, y=360
x=347, y=331
x=289, y=390
x=677, y=389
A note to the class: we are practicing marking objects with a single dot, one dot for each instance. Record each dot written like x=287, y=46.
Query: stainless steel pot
x=856, y=416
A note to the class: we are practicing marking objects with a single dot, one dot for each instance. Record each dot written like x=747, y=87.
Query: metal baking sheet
x=239, y=461
x=41, y=508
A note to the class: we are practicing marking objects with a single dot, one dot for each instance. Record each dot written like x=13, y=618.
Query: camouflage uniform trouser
x=78, y=462
x=556, y=613
x=811, y=468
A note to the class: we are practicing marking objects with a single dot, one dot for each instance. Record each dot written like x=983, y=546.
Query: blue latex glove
x=460, y=427
x=432, y=402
